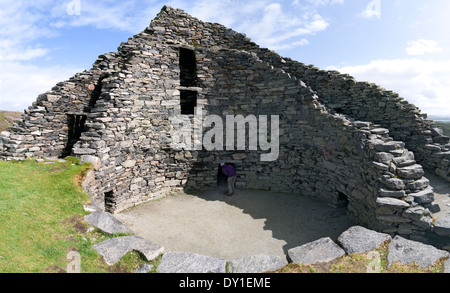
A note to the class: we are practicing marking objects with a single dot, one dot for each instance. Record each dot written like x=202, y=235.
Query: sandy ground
x=249, y=223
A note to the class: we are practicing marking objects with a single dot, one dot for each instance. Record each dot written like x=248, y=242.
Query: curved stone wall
x=339, y=140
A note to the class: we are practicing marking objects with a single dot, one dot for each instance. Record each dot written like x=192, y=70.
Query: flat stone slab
x=442, y=227
x=320, y=251
x=425, y=196
x=406, y=252
x=190, y=263
x=107, y=223
x=256, y=264
x=447, y=266
x=114, y=249
x=360, y=240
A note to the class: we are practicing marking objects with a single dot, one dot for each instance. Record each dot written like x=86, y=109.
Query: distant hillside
x=445, y=126
x=7, y=118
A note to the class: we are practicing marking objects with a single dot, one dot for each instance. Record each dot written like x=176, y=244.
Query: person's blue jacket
x=229, y=171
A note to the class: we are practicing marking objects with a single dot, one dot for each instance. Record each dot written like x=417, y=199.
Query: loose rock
x=320, y=251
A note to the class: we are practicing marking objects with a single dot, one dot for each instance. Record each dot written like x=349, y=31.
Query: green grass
x=445, y=126
x=7, y=119
x=41, y=220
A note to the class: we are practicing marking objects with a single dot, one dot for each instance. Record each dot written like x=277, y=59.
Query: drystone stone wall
x=345, y=142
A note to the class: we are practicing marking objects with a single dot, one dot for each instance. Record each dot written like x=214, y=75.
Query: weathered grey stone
x=190, y=263
x=129, y=163
x=392, y=203
x=442, y=226
x=256, y=264
x=411, y=172
x=320, y=251
x=390, y=193
x=418, y=184
x=83, y=151
x=447, y=267
x=88, y=179
x=414, y=213
x=107, y=223
x=425, y=196
x=114, y=249
x=406, y=252
x=95, y=161
x=143, y=269
x=394, y=184
x=358, y=239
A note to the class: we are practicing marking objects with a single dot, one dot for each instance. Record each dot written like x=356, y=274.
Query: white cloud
x=373, y=9
x=422, y=47
x=269, y=24
x=422, y=82
x=317, y=3
x=21, y=84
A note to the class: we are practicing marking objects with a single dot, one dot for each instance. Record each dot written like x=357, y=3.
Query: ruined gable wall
x=369, y=102
x=43, y=129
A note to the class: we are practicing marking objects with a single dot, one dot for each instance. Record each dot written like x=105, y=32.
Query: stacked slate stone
x=363, y=101
x=123, y=108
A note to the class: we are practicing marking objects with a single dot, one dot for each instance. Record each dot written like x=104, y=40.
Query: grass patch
x=445, y=126
x=7, y=118
x=41, y=215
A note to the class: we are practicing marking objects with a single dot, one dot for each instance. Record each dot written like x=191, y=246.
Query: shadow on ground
x=248, y=223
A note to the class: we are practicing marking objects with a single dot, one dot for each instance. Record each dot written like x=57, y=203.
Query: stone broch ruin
x=346, y=142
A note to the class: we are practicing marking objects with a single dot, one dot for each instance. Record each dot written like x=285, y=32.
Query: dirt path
x=246, y=224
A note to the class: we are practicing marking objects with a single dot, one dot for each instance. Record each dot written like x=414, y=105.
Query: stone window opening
x=96, y=93
x=110, y=202
x=75, y=125
x=188, y=102
x=342, y=201
x=188, y=68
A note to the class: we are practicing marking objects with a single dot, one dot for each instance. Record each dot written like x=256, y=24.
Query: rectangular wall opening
x=188, y=68
x=188, y=100
x=110, y=202
x=75, y=125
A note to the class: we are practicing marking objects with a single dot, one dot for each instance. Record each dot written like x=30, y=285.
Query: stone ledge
x=319, y=251
x=407, y=251
x=186, y=262
x=107, y=223
x=256, y=264
x=114, y=249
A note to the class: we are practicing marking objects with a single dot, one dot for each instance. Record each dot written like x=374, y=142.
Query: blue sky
x=402, y=45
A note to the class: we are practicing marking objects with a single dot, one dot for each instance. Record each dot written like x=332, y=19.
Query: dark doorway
x=188, y=68
x=75, y=125
x=222, y=179
x=188, y=101
x=110, y=202
x=342, y=200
